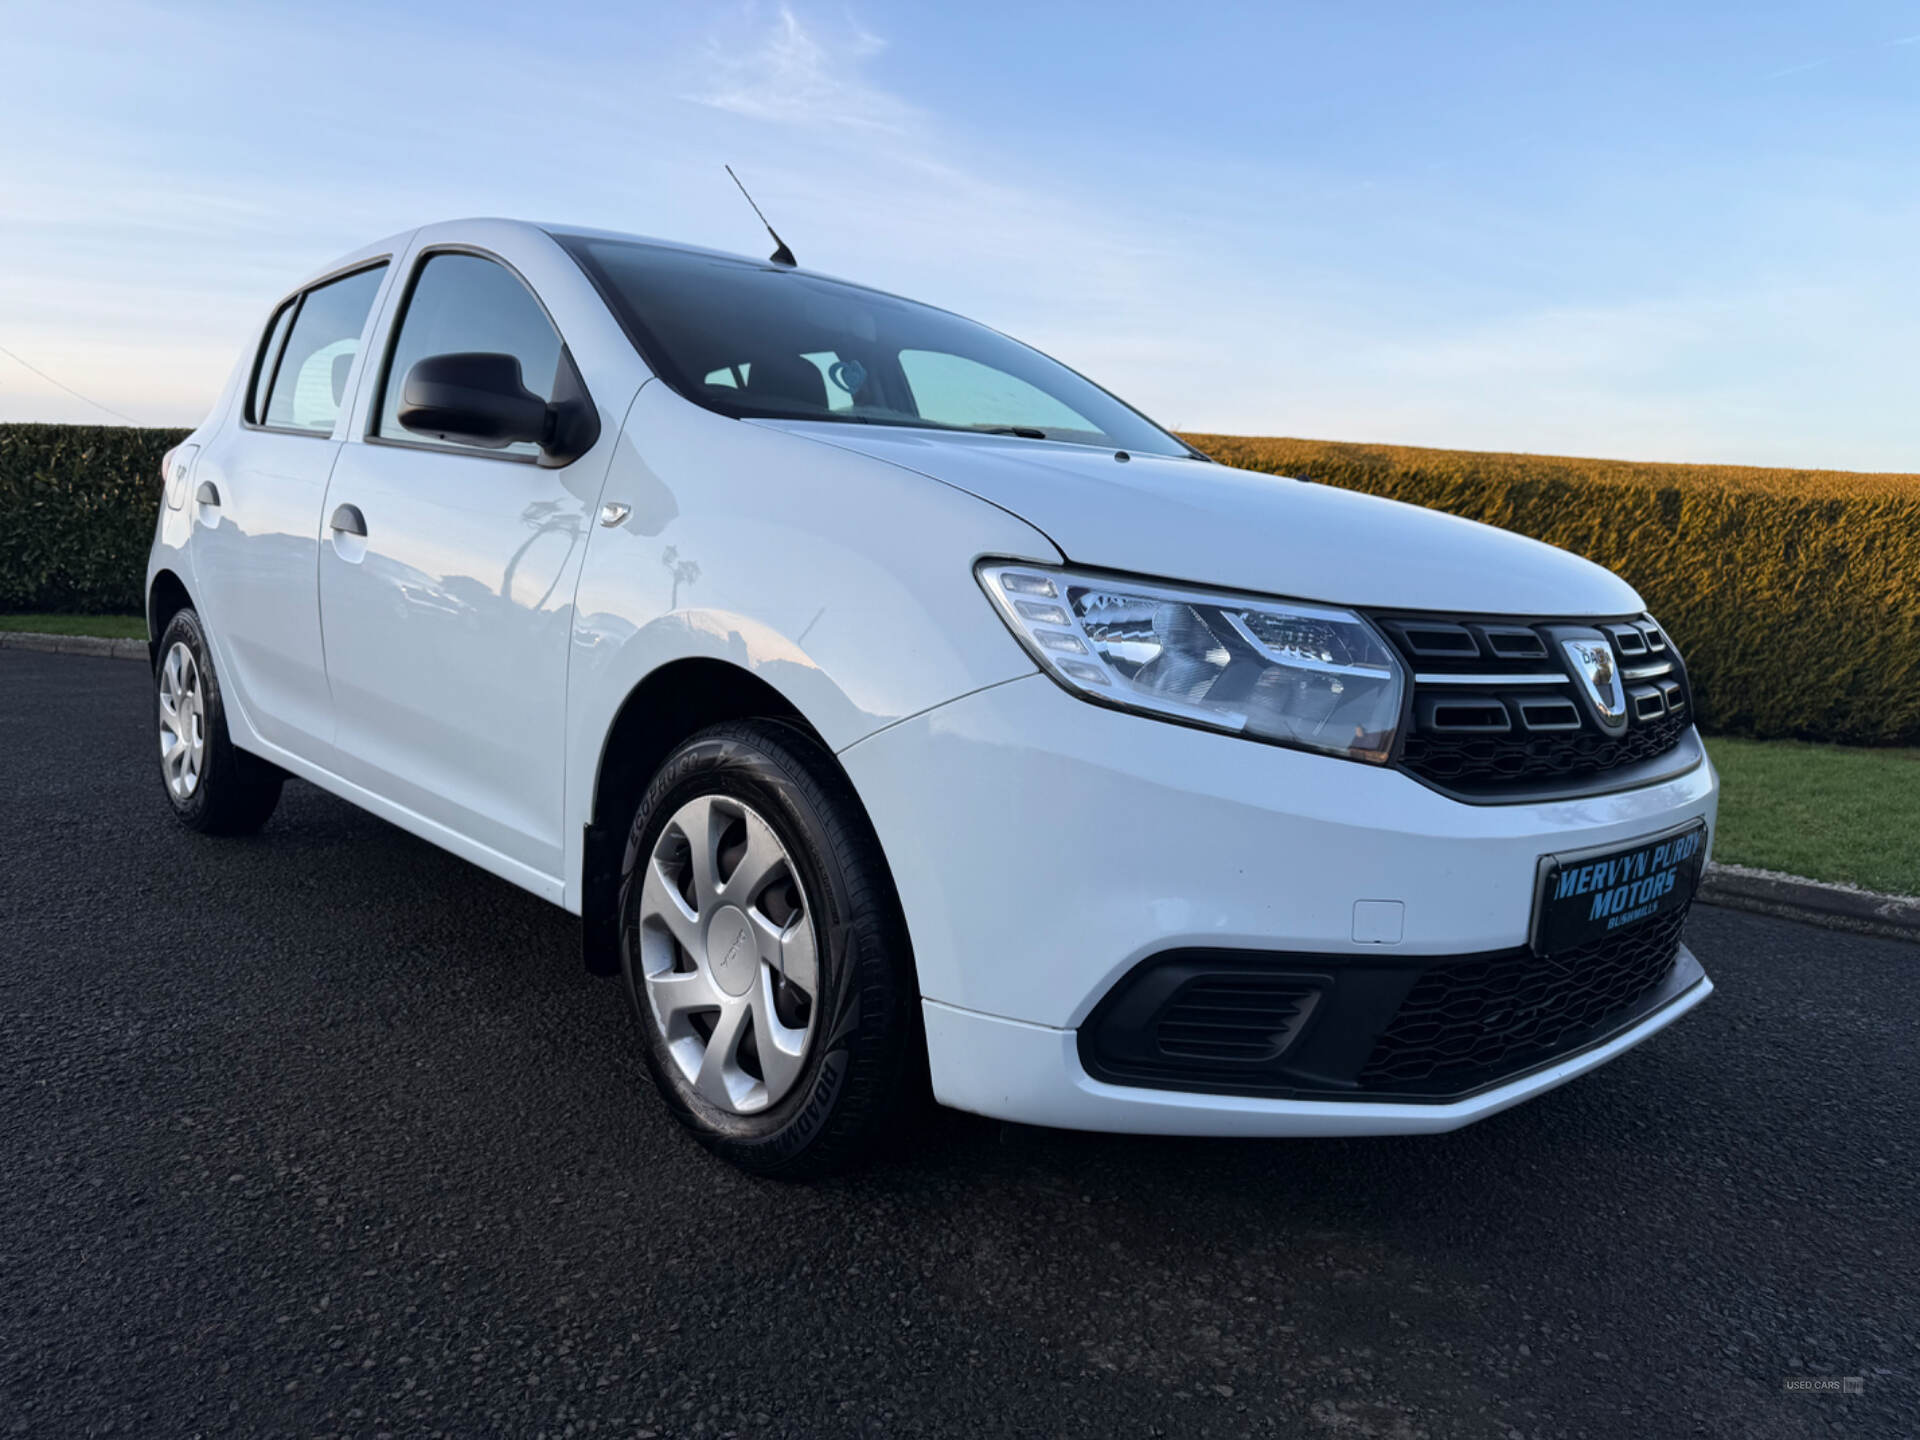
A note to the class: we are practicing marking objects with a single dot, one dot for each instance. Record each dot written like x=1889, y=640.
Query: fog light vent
x=1205, y=1019
x=1233, y=1017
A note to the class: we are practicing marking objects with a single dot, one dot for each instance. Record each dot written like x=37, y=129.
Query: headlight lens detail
x=1305, y=675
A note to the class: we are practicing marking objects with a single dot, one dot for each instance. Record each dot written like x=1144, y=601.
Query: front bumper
x=1032, y=1074
x=1043, y=847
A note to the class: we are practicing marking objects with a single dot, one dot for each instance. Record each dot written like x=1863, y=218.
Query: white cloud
x=790, y=73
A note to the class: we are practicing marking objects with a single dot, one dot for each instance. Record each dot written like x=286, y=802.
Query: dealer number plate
x=1594, y=894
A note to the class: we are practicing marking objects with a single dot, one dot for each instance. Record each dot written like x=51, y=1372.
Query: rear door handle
x=208, y=493
x=347, y=520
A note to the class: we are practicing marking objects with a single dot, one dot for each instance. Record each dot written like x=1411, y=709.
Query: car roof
x=592, y=233
x=449, y=230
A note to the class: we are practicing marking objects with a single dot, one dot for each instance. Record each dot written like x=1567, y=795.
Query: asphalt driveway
x=327, y=1132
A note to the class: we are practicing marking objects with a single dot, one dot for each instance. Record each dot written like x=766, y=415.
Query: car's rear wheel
x=211, y=786
x=764, y=954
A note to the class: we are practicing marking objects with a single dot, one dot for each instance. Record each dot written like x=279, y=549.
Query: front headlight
x=1305, y=675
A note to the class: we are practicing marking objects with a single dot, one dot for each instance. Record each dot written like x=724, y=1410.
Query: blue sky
x=1658, y=231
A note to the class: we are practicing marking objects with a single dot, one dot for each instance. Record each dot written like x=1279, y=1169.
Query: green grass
x=112, y=627
x=1827, y=812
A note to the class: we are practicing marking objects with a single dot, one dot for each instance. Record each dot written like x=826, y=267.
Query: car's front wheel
x=764, y=954
x=211, y=786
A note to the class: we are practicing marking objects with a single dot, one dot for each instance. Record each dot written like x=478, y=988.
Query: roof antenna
x=781, y=254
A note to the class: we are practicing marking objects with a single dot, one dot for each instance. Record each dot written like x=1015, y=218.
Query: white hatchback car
x=886, y=696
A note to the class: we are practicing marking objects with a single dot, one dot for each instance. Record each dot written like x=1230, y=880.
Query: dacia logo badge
x=1591, y=659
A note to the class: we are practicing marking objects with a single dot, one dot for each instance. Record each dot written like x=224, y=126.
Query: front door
x=446, y=622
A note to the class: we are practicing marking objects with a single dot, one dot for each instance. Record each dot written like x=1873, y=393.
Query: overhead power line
x=68, y=388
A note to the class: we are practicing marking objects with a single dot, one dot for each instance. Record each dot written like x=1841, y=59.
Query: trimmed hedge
x=1794, y=594
x=77, y=508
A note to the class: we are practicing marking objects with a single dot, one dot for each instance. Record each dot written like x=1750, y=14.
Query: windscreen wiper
x=1025, y=432
x=846, y=417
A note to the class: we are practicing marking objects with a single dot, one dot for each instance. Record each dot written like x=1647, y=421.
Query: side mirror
x=473, y=397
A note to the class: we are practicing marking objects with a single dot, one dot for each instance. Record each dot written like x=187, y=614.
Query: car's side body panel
x=770, y=552
x=467, y=696
x=255, y=556
x=446, y=628
x=446, y=624
x=250, y=561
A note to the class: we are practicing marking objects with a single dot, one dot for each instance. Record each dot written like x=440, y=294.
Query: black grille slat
x=1241, y=1018
x=1486, y=717
x=1463, y=715
x=1435, y=640
x=1629, y=640
x=1485, y=1018
x=1646, y=702
x=1251, y=1019
x=1190, y=1012
x=1550, y=714
x=1514, y=642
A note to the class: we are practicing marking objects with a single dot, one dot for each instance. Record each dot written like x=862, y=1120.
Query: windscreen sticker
x=849, y=375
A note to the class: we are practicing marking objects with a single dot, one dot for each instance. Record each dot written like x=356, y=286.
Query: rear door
x=447, y=622
x=256, y=496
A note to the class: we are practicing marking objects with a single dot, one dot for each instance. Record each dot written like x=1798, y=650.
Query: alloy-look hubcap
x=727, y=954
x=183, y=721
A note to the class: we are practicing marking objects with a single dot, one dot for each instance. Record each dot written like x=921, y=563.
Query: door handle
x=208, y=493
x=347, y=520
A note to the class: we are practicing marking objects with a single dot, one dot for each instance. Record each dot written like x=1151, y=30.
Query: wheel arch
x=167, y=596
x=670, y=703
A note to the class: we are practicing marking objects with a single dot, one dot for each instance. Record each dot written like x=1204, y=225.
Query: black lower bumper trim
x=1429, y=1029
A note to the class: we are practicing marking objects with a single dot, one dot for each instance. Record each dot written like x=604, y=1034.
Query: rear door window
x=309, y=383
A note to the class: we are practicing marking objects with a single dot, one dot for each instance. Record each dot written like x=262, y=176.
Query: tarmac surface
x=327, y=1132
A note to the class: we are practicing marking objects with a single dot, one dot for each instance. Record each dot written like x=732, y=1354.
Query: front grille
x=1480, y=762
x=1489, y=1016
x=1495, y=706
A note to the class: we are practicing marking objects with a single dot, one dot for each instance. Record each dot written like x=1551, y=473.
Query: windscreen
x=752, y=339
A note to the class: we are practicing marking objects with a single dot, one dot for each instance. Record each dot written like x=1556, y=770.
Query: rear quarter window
x=269, y=358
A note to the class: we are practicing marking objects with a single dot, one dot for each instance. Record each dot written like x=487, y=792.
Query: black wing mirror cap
x=474, y=397
x=480, y=398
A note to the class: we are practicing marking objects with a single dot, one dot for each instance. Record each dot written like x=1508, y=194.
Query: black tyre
x=764, y=954
x=212, y=787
